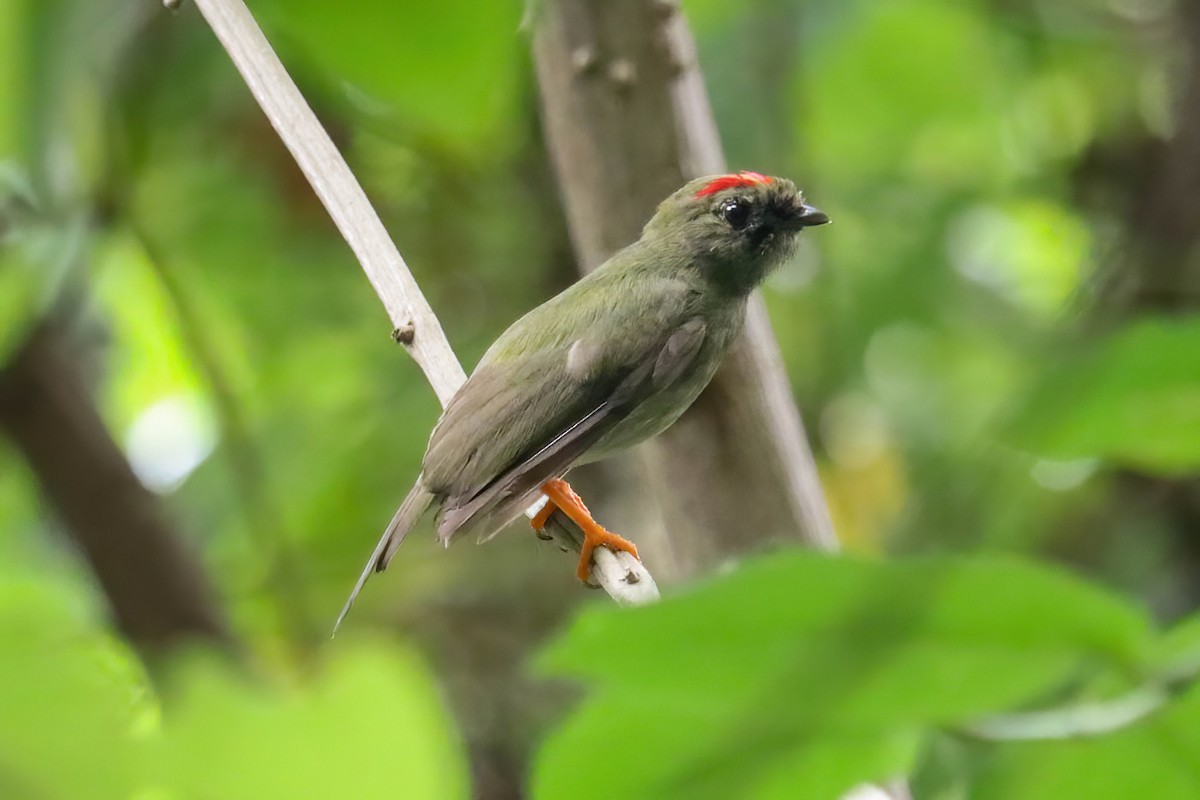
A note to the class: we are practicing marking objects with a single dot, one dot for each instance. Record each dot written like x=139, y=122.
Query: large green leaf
x=808, y=672
x=1133, y=398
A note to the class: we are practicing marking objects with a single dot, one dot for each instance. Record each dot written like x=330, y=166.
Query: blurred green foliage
x=80, y=719
x=1133, y=397
x=960, y=391
x=802, y=675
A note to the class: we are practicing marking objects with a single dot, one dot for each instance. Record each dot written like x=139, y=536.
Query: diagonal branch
x=413, y=321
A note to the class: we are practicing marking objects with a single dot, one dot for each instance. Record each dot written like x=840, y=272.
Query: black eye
x=735, y=211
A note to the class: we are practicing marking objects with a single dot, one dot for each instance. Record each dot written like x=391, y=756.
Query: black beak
x=810, y=216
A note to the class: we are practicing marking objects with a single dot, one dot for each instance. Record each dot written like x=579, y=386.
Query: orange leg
x=539, y=520
x=563, y=497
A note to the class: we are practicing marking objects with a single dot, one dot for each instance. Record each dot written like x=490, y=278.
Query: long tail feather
x=405, y=518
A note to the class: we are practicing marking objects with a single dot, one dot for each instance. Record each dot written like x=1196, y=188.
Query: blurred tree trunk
x=627, y=120
x=1156, y=269
x=154, y=584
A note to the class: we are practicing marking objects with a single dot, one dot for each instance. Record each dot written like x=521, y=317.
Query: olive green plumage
x=611, y=361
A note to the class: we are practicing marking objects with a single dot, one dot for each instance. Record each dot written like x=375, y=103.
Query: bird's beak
x=810, y=216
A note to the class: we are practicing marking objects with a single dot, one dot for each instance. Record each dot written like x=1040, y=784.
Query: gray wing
x=525, y=418
x=502, y=499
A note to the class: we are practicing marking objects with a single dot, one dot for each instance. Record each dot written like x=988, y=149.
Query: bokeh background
x=994, y=348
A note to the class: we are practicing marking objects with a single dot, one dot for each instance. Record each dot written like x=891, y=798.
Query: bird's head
x=736, y=227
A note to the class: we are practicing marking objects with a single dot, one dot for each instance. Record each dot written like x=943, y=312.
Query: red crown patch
x=729, y=181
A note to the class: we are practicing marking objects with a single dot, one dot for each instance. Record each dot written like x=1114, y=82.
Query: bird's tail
x=402, y=522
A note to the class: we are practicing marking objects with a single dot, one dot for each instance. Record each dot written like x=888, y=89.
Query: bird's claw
x=561, y=497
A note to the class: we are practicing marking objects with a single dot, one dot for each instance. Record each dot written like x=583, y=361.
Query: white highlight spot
x=169, y=440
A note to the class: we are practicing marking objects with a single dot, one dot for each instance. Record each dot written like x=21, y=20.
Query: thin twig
x=1086, y=720
x=415, y=324
x=1075, y=722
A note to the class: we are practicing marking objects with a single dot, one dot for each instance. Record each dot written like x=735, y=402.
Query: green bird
x=609, y=362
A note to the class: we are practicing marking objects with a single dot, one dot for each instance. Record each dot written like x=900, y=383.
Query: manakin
x=611, y=361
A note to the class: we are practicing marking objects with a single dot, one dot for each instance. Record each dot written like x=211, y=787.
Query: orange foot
x=563, y=498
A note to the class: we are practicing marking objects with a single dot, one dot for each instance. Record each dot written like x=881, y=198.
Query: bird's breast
x=662, y=408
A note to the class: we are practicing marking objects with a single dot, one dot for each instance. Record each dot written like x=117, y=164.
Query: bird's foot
x=563, y=497
x=600, y=538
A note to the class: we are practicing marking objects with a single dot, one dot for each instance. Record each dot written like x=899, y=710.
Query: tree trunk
x=153, y=582
x=628, y=121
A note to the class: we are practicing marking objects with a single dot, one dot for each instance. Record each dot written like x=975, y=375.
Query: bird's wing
x=538, y=401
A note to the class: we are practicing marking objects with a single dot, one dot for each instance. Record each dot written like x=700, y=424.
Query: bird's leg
x=539, y=520
x=563, y=498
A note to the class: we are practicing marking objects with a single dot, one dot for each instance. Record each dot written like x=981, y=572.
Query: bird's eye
x=735, y=211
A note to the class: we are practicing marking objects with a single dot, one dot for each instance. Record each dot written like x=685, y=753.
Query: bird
x=609, y=362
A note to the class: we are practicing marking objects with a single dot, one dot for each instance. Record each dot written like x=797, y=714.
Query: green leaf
x=630, y=745
x=1133, y=398
x=369, y=726
x=80, y=719
x=741, y=680
x=1157, y=758
x=1177, y=652
x=73, y=700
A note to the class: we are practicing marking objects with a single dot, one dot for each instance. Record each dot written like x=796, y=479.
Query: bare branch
x=413, y=322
